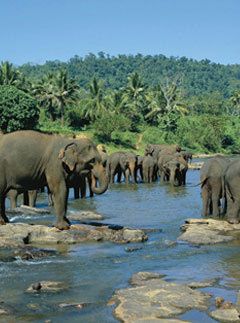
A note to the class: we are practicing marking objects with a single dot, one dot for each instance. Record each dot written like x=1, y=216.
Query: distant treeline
x=127, y=100
x=197, y=77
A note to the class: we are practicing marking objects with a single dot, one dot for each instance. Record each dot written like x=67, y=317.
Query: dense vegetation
x=131, y=100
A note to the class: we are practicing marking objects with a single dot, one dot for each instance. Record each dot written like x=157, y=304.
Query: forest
x=127, y=100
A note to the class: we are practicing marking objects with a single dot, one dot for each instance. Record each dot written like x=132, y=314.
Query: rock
x=83, y=216
x=24, y=209
x=203, y=284
x=131, y=235
x=153, y=299
x=75, y=305
x=209, y=231
x=19, y=234
x=226, y=315
x=132, y=249
x=3, y=311
x=141, y=277
x=219, y=301
x=47, y=286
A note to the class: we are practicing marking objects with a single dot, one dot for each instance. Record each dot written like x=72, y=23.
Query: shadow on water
x=93, y=271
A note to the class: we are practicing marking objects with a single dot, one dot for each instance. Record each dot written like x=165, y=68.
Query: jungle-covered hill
x=196, y=77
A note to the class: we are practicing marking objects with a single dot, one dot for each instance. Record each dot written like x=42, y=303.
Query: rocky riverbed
x=209, y=231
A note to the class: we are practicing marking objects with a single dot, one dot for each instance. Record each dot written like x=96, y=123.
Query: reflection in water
x=93, y=271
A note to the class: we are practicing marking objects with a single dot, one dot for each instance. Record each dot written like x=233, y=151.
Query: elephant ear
x=68, y=155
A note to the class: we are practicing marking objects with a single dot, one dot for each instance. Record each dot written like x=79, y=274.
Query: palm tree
x=55, y=92
x=235, y=100
x=9, y=75
x=65, y=91
x=93, y=106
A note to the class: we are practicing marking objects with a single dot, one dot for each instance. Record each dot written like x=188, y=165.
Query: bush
x=18, y=110
x=109, y=123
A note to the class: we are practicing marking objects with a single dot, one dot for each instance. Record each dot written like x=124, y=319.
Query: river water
x=93, y=271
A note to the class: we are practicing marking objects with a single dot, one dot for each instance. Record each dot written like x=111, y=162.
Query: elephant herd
x=220, y=188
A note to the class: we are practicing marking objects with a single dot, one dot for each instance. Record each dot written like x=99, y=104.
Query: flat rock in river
x=84, y=215
x=209, y=231
x=153, y=299
x=28, y=210
x=19, y=234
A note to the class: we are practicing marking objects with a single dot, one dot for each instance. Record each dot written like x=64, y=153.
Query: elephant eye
x=92, y=161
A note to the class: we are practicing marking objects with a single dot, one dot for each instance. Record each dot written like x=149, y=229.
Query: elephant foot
x=63, y=224
x=233, y=221
x=3, y=220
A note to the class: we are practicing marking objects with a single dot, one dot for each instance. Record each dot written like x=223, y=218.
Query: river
x=93, y=271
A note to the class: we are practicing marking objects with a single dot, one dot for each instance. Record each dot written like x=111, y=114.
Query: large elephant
x=154, y=150
x=212, y=185
x=232, y=186
x=122, y=163
x=173, y=169
x=149, y=169
x=29, y=160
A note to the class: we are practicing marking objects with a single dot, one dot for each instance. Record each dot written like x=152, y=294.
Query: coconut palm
x=9, y=75
x=94, y=105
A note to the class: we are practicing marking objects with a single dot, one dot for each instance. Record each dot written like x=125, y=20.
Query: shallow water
x=93, y=271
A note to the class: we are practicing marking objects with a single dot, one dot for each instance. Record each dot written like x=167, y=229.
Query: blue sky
x=39, y=30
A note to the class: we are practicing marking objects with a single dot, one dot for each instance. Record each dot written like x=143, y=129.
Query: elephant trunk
x=172, y=176
x=98, y=173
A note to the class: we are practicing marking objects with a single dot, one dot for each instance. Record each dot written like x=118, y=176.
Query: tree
x=134, y=96
x=93, y=105
x=18, y=109
x=55, y=92
x=235, y=101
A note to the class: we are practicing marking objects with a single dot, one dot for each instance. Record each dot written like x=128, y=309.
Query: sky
x=33, y=31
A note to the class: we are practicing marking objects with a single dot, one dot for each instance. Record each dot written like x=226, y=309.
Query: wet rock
x=74, y=305
x=83, y=216
x=204, y=283
x=219, y=301
x=226, y=315
x=24, y=209
x=47, y=286
x=132, y=249
x=20, y=234
x=29, y=253
x=3, y=311
x=170, y=243
x=209, y=231
x=141, y=277
x=154, y=299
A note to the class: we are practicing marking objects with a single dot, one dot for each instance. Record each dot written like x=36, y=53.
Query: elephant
x=30, y=160
x=187, y=155
x=212, y=185
x=139, y=167
x=29, y=197
x=122, y=163
x=154, y=150
x=232, y=187
x=172, y=168
x=148, y=168
x=103, y=153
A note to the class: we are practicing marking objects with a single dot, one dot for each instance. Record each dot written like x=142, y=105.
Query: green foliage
x=109, y=123
x=18, y=110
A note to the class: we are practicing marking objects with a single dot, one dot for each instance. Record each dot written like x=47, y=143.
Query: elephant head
x=174, y=168
x=82, y=157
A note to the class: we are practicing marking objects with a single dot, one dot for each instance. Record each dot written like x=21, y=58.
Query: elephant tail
x=201, y=183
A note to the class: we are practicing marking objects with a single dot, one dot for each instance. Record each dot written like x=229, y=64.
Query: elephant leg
x=215, y=204
x=119, y=176
x=12, y=195
x=32, y=196
x=89, y=181
x=25, y=198
x=150, y=175
x=3, y=217
x=205, y=201
x=60, y=196
x=233, y=211
x=50, y=197
x=76, y=192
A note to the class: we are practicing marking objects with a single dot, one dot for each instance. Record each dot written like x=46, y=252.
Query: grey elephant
x=232, y=187
x=173, y=169
x=149, y=169
x=122, y=163
x=29, y=160
x=29, y=197
x=212, y=185
x=154, y=150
